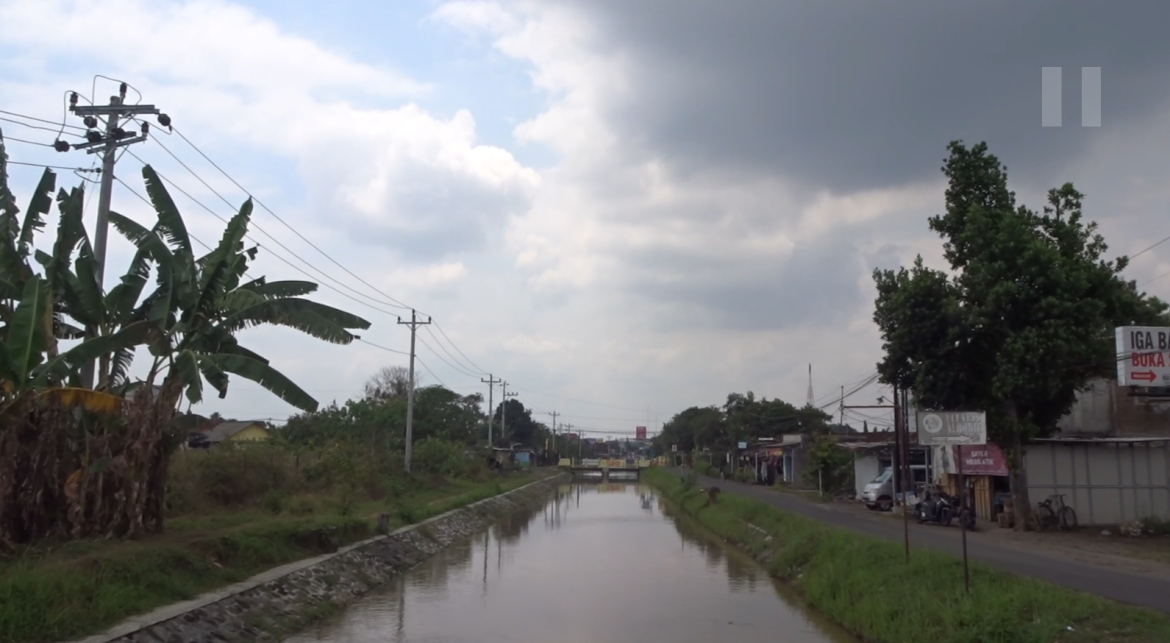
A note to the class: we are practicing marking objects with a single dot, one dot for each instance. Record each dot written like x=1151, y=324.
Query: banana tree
x=201, y=303
x=109, y=472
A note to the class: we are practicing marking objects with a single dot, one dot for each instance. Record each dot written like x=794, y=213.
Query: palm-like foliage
x=188, y=322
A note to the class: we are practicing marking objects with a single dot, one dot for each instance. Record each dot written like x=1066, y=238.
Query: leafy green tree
x=520, y=427
x=1020, y=322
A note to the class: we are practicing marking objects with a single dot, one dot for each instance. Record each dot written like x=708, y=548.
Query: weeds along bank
x=285, y=600
x=233, y=512
x=865, y=585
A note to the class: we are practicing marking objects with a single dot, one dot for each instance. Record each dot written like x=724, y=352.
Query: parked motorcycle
x=935, y=507
x=940, y=508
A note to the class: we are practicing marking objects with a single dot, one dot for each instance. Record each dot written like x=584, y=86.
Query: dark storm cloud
x=849, y=95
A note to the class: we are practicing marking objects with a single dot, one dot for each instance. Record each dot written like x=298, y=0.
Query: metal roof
x=1104, y=440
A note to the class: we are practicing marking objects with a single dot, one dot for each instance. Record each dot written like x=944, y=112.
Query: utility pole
x=491, y=381
x=568, y=428
x=504, y=395
x=115, y=137
x=554, y=415
x=414, y=323
x=842, y=405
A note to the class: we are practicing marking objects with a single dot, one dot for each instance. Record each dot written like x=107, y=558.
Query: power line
x=37, y=127
x=457, y=349
x=283, y=222
x=428, y=368
x=440, y=344
x=215, y=214
x=396, y=303
x=389, y=350
x=460, y=371
x=55, y=167
x=40, y=120
x=25, y=141
x=571, y=399
x=266, y=233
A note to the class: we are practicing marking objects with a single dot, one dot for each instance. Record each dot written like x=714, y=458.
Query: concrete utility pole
x=491, y=381
x=414, y=323
x=504, y=395
x=115, y=137
x=554, y=415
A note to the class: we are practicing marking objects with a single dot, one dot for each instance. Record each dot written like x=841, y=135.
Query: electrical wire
x=36, y=127
x=276, y=255
x=428, y=369
x=571, y=399
x=39, y=120
x=477, y=368
x=55, y=167
x=283, y=222
x=396, y=303
x=28, y=142
x=453, y=358
x=267, y=234
x=390, y=350
x=436, y=354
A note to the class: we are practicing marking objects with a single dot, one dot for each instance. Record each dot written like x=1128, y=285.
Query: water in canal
x=598, y=563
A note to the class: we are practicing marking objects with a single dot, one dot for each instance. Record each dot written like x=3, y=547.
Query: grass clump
x=864, y=584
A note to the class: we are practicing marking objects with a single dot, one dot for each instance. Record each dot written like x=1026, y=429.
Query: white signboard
x=940, y=428
x=1143, y=356
x=743, y=445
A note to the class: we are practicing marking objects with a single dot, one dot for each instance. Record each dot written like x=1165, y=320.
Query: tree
x=391, y=382
x=519, y=427
x=1024, y=317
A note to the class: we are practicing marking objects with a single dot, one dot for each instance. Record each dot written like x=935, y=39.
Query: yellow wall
x=253, y=433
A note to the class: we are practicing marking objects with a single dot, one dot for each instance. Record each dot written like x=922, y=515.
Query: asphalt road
x=1150, y=589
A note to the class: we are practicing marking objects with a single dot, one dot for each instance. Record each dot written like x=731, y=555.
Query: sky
x=622, y=208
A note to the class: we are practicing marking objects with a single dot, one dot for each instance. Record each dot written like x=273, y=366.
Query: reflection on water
x=596, y=563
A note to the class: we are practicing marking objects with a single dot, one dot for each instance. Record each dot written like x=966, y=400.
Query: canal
x=597, y=563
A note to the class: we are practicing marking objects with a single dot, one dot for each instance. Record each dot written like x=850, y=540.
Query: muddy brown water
x=598, y=563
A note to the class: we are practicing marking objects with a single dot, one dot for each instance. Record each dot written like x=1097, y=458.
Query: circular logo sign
x=932, y=423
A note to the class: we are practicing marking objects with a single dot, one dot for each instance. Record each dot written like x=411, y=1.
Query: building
x=253, y=431
x=1111, y=456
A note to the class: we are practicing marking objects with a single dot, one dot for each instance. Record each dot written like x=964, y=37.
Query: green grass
x=865, y=585
x=83, y=587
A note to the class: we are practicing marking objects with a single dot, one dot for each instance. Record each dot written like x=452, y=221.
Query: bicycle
x=1053, y=511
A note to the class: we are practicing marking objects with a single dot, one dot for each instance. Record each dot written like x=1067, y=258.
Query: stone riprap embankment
x=284, y=600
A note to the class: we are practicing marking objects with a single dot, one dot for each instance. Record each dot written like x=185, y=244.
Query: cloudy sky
x=622, y=208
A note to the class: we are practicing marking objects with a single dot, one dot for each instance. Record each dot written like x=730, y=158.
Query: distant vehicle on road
x=878, y=495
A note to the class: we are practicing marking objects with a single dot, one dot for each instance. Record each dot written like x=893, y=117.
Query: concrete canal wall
x=284, y=600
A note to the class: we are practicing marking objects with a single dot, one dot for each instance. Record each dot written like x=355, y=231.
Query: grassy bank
x=54, y=593
x=864, y=584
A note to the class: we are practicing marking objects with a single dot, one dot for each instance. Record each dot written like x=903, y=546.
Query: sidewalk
x=1128, y=580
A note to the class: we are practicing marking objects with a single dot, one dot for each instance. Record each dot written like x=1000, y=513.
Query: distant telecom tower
x=810, y=391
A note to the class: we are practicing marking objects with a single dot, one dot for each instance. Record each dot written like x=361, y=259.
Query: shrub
x=229, y=475
x=1157, y=527
x=439, y=457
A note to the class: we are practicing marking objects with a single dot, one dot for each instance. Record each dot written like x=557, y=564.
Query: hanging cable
x=285, y=223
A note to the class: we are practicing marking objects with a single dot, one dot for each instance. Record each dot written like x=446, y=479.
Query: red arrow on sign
x=1143, y=375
